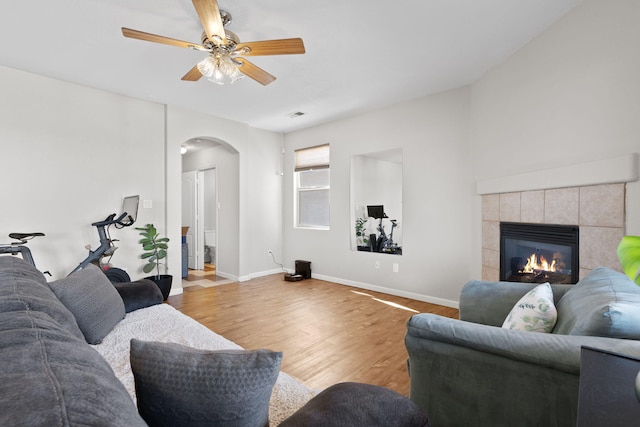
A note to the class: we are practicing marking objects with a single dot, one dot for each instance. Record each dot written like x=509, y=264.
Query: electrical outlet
x=377, y=264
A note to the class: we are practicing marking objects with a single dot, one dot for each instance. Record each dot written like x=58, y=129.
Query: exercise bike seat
x=24, y=236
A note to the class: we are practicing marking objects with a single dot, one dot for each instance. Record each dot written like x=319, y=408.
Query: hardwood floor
x=329, y=333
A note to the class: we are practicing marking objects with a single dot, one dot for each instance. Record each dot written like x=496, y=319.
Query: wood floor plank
x=328, y=332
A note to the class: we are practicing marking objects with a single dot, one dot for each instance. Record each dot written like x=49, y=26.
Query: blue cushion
x=605, y=304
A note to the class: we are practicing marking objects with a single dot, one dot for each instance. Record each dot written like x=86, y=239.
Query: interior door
x=199, y=227
x=190, y=214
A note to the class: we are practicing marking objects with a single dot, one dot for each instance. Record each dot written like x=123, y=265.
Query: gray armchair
x=472, y=372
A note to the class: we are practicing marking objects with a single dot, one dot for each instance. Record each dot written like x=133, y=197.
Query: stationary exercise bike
x=389, y=245
x=101, y=256
x=17, y=247
x=383, y=243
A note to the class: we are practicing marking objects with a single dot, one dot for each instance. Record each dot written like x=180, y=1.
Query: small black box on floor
x=303, y=268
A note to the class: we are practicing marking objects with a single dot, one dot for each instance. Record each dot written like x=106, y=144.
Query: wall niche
x=376, y=201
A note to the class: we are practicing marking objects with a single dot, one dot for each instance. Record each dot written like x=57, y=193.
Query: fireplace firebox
x=538, y=253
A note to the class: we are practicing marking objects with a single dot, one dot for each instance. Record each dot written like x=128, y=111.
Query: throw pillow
x=534, y=312
x=357, y=404
x=604, y=304
x=140, y=294
x=92, y=299
x=182, y=386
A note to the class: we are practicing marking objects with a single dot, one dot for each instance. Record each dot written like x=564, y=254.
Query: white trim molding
x=609, y=171
x=389, y=291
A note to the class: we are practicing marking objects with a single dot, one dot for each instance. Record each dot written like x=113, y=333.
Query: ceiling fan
x=226, y=60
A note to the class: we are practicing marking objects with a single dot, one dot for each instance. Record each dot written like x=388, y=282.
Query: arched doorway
x=210, y=195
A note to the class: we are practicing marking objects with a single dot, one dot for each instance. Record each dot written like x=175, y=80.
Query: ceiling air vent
x=295, y=114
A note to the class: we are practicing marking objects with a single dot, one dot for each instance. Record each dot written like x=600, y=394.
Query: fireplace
x=538, y=253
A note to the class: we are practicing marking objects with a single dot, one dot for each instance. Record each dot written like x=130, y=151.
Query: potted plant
x=155, y=253
x=629, y=256
x=362, y=240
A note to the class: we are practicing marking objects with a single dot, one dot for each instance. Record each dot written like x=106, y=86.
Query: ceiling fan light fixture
x=206, y=66
x=236, y=75
x=220, y=69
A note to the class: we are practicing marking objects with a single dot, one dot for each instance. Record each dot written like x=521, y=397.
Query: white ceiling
x=360, y=54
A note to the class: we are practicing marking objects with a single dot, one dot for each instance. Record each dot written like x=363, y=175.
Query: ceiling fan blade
x=255, y=72
x=193, y=75
x=273, y=47
x=141, y=35
x=210, y=19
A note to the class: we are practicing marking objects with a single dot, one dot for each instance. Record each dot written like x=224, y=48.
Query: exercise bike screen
x=130, y=206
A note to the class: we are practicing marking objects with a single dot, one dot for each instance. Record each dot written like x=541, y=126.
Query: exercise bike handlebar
x=111, y=219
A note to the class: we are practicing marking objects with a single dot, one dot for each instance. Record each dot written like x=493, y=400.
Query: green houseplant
x=361, y=232
x=629, y=256
x=155, y=254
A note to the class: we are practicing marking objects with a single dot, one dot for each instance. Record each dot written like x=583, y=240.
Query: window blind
x=312, y=158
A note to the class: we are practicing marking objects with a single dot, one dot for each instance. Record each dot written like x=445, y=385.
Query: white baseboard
x=230, y=276
x=176, y=290
x=262, y=274
x=390, y=291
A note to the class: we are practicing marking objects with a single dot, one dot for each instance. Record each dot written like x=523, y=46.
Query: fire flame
x=533, y=264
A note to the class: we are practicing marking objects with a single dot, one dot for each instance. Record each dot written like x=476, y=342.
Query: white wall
x=263, y=203
x=69, y=154
x=259, y=188
x=569, y=97
x=436, y=199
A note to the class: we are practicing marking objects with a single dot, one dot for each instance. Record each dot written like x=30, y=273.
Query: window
x=312, y=187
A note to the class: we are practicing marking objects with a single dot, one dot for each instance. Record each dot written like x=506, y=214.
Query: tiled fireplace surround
x=599, y=211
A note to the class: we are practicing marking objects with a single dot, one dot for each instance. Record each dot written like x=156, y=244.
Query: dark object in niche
x=376, y=211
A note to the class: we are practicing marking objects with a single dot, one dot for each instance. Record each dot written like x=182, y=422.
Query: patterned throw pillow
x=534, y=312
x=179, y=386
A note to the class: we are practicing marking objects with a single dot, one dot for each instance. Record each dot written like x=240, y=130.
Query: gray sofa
x=65, y=353
x=473, y=372
x=49, y=374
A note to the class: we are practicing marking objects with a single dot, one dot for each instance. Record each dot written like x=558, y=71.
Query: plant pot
x=164, y=283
